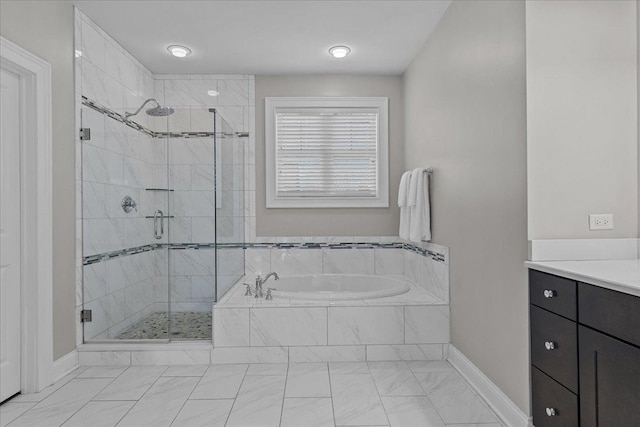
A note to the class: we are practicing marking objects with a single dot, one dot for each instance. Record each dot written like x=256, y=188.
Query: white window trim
x=381, y=103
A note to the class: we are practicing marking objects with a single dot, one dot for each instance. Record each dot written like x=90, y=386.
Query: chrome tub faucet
x=260, y=281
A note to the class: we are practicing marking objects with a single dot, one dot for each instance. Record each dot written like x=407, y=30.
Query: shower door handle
x=158, y=215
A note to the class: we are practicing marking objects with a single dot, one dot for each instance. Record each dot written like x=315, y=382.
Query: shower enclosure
x=162, y=220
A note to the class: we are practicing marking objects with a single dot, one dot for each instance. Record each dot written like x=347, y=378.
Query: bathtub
x=336, y=287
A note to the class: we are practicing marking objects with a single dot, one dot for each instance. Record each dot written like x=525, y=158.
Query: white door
x=10, y=247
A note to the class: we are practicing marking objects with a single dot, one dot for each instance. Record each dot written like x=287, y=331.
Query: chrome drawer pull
x=550, y=345
x=548, y=293
x=551, y=412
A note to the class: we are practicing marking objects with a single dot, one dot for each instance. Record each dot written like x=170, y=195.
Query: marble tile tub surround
x=396, y=394
x=413, y=319
x=425, y=264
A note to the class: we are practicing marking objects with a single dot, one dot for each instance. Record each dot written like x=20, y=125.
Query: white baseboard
x=64, y=365
x=499, y=402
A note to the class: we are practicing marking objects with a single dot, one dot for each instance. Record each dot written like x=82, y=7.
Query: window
x=327, y=152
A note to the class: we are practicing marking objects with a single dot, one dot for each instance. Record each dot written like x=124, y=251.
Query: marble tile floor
x=392, y=394
x=184, y=325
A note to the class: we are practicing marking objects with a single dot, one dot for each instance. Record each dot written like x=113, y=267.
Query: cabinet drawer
x=548, y=394
x=553, y=293
x=554, y=347
x=611, y=312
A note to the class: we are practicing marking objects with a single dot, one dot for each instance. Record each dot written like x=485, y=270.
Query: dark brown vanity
x=585, y=354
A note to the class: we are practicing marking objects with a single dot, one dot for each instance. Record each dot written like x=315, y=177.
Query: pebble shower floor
x=184, y=325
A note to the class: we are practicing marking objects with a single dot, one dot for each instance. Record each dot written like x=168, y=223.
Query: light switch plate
x=601, y=222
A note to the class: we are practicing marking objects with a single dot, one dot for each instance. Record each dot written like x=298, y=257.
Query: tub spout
x=273, y=273
x=260, y=281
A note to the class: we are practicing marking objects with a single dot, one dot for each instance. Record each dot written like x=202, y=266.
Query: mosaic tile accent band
x=120, y=118
x=347, y=245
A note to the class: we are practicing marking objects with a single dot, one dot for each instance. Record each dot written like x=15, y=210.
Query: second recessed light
x=179, y=51
x=339, y=51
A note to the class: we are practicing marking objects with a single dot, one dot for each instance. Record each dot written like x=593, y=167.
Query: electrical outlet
x=601, y=222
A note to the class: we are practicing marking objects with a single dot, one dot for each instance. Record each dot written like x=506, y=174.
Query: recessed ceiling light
x=179, y=51
x=339, y=51
x=213, y=92
x=78, y=53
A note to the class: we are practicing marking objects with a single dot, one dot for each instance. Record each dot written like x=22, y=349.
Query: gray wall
x=45, y=28
x=331, y=222
x=465, y=116
x=581, y=117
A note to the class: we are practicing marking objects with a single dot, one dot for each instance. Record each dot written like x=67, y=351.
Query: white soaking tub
x=334, y=287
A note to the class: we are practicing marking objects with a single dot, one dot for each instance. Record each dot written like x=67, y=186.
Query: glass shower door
x=206, y=233
x=230, y=206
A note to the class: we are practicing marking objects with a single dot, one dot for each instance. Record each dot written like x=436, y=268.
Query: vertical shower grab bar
x=158, y=214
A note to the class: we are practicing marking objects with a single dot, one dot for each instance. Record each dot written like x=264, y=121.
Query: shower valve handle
x=269, y=297
x=247, y=292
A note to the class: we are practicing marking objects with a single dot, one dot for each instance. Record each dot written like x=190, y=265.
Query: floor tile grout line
x=244, y=376
x=333, y=410
x=59, y=384
x=284, y=393
x=143, y=394
x=87, y=402
x=426, y=394
x=74, y=377
x=185, y=401
x=190, y=393
x=375, y=384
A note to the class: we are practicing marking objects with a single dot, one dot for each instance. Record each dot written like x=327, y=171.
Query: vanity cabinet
x=585, y=354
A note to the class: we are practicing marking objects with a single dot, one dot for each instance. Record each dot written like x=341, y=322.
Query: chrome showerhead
x=158, y=111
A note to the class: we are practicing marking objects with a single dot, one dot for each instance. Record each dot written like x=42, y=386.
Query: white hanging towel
x=405, y=211
x=418, y=200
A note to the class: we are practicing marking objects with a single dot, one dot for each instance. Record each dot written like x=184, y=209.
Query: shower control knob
x=550, y=345
x=548, y=293
x=128, y=204
x=269, y=297
x=247, y=292
x=551, y=412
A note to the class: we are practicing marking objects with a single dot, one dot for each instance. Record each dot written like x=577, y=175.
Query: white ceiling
x=269, y=37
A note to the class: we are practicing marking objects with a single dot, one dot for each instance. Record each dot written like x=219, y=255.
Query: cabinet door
x=609, y=380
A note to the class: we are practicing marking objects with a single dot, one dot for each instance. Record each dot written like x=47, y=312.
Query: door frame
x=36, y=215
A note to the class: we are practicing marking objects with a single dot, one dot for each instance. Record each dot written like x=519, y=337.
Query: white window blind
x=322, y=153
x=326, y=152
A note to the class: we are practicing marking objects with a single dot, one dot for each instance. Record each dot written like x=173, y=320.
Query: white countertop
x=618, y=275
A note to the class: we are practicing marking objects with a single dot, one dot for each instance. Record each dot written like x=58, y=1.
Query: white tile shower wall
x=108, y=74
x=116, y=162
x=119, y=292
x=191, y=160
x=192, y=273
